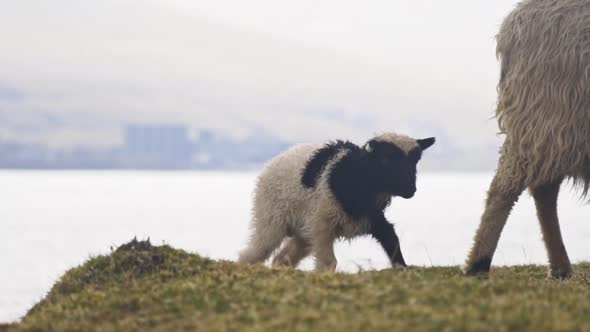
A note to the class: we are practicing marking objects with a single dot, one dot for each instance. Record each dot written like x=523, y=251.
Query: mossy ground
x=140, y=287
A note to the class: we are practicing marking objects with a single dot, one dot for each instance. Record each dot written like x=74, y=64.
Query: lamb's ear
x=426, y=143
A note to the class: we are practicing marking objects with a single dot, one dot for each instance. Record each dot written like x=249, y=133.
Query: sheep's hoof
x=479, y=267
x=398, y=266
x=561, y=273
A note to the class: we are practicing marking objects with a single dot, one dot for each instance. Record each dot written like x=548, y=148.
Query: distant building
x=166, y=147
x=157, y=146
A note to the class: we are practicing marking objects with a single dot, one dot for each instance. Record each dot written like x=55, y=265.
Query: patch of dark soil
x=135, y=245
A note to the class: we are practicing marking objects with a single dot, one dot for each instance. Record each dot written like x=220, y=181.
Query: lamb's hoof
x=281, y=261
x=478, y=268
x=326, y=267
x=561, y=273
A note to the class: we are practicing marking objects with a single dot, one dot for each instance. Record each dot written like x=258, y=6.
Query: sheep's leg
x=384, y=233
x=546, y=202
x=294, y=251
x=263, y=242
x=323, y=247
x=502, y=195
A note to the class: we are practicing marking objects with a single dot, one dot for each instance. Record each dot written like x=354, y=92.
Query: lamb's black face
x=394, y=169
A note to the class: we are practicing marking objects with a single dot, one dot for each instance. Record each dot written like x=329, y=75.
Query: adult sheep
x=544, y=111
x=314, y=194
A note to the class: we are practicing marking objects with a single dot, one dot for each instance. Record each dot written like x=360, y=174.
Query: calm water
x=52, y=221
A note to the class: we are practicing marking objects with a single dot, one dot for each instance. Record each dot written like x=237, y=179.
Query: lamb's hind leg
x=294, y=251
x=502, y=195
x=546, y=202
x=265, y=239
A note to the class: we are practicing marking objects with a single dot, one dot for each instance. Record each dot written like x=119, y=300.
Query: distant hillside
x=165, y=147
x=175, y=147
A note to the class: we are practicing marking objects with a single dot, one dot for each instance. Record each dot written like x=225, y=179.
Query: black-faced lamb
x=314, y=194
x=544, y=111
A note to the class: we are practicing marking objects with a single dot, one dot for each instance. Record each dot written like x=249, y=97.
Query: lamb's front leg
x=384, y=233
x=323, y=247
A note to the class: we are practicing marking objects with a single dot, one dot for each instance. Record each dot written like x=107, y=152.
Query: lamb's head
x=393, y=159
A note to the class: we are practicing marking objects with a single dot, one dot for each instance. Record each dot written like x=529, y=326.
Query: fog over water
x=53, y=221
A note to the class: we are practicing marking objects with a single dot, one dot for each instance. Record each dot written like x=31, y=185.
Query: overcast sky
x=72, y=72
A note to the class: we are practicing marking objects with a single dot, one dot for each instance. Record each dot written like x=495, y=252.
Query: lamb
x=313, y=195
x=544, y=111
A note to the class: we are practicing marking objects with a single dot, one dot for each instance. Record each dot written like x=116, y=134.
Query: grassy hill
x=141, y=287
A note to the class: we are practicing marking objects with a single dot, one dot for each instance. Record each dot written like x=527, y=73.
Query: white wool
x=283, y=207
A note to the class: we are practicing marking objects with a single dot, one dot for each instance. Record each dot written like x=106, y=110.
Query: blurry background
x=179, y=84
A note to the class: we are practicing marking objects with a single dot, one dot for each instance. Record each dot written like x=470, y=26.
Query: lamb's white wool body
x=311, y=218
x=284, y=208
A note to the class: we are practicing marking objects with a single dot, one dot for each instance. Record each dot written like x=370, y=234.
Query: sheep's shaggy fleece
x=544, y=92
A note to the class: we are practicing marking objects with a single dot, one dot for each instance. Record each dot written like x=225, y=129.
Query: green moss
x=142, y=287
